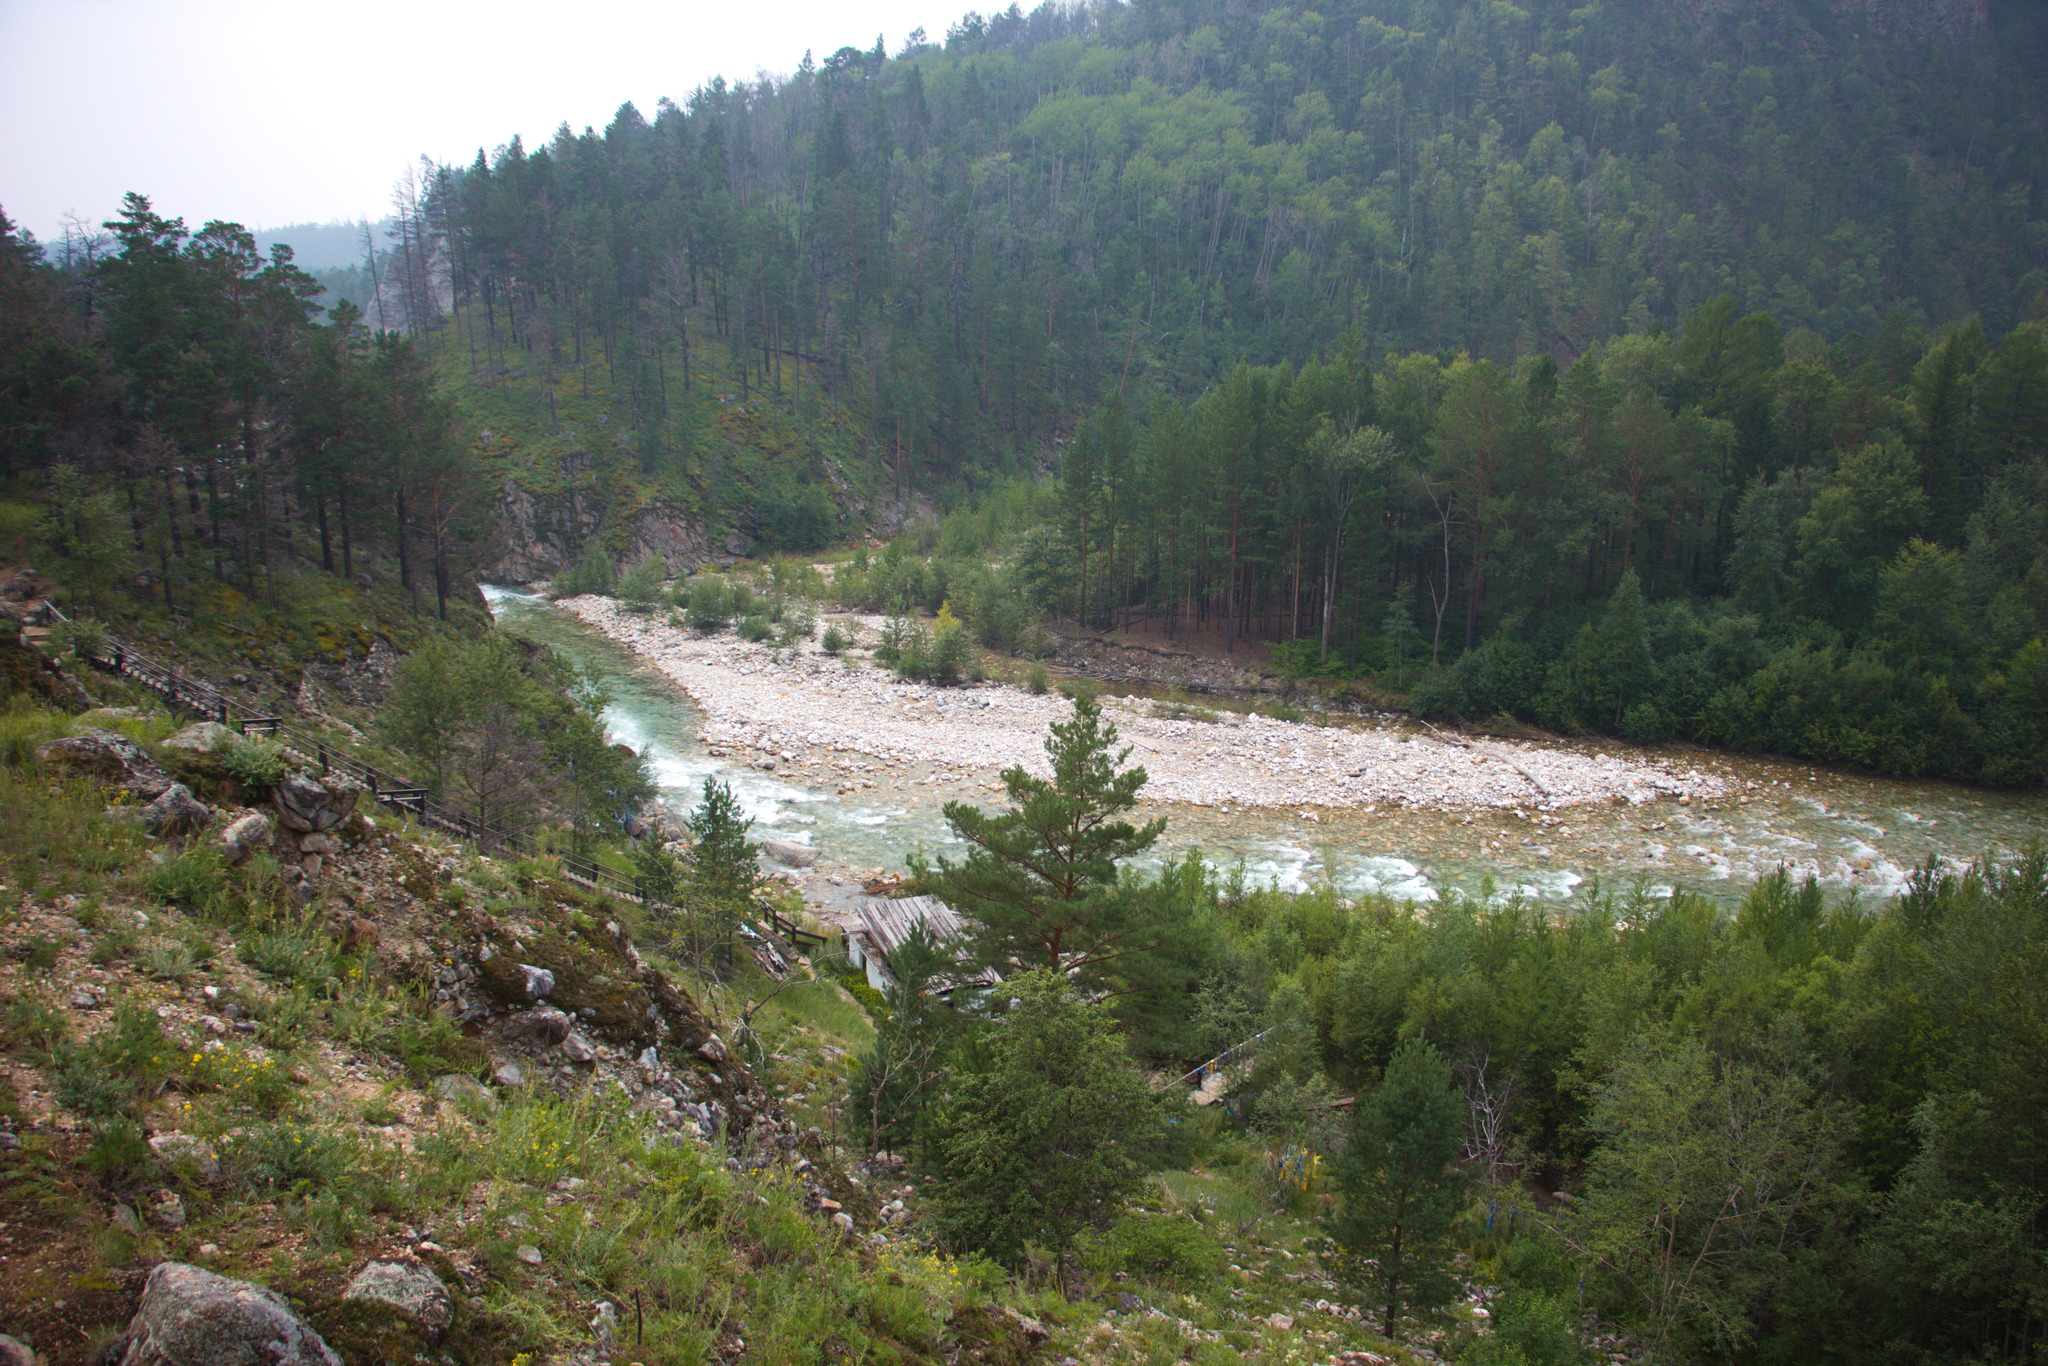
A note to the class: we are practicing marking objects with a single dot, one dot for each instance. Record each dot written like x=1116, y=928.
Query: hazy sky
x=288, y=111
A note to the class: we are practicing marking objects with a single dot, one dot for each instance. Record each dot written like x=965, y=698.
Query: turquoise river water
x=1854, y=833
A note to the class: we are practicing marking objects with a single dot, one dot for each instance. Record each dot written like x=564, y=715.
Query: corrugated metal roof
x=886, y=922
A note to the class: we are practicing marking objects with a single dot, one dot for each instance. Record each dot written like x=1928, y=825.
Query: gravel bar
x=804, y=700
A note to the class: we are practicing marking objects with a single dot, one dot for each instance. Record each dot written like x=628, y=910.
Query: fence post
x=223, y=709
x=321, y=747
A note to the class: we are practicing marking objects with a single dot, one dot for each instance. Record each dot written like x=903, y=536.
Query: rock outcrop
x=244, y=836
x=311, y=804
x=201, y=737
x=114, y=760
x=539, y=537
x=176, y=812
x=407, y=1287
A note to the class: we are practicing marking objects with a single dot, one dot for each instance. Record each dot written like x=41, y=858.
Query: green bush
x=1530, y=1328
x=297, y=954
x=256, y=763
x=119, y=1154
x=798, y=624
x=834, y=640
x=872, y=1001
x=84, y=637
x=1157, y=1247
x=1646, y=723
x=756, y=629
x=709, y=604
x=900, y=636
x=592, y=572
x=287, y=1156
x=29, y=1024
x=640, y=587
x=1037, y=680
x=100, y=1075
x=22, y=731
x=803, y=520
x=282, y=1019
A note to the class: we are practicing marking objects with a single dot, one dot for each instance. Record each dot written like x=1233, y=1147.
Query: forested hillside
x=973, y=237
x=1658, y=369
x=1654, y=369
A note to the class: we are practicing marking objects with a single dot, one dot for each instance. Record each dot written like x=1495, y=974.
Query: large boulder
x=201, y=737
x=407, y=1287
x=546, y=1025
x=308, y=803
x=789, y=855
x=191, y=1317
x=115, y=760
x=244, y=836
x=176, y=812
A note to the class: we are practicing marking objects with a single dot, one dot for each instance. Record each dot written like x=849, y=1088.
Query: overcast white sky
x=285, y=111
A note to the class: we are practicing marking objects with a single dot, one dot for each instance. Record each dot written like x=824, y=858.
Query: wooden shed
x=885, y=922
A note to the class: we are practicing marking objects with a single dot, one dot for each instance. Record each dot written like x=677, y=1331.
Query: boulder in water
x=790, y=855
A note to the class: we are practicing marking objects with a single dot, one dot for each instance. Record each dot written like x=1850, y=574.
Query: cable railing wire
x=203, y=698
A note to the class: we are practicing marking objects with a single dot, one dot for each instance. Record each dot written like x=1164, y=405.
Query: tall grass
x=824, y=1007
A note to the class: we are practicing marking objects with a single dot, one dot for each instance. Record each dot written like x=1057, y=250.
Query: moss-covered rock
x=589, y=975
x=24, y=676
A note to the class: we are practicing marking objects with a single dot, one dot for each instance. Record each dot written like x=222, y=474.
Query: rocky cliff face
x=540, y=535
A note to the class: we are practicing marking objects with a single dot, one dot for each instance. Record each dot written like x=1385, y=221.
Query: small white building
x=885, y=923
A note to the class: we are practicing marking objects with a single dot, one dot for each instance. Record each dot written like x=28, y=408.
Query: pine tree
x=592, y=572
x=640, y=587
x=1400, y=1196
x=723, y=861
x=1050, y=1138
x=1040, y=882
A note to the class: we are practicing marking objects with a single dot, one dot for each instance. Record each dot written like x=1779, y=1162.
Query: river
x=1854, y=833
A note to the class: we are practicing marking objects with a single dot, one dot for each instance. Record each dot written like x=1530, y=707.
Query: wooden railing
x=197, y=696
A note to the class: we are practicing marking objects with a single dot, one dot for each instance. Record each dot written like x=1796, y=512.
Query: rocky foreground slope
x=284, y=1080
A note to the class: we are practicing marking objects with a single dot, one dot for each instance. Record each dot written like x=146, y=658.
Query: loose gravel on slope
x=751, y=699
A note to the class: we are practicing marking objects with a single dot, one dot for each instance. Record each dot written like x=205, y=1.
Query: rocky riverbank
x=803, y=707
